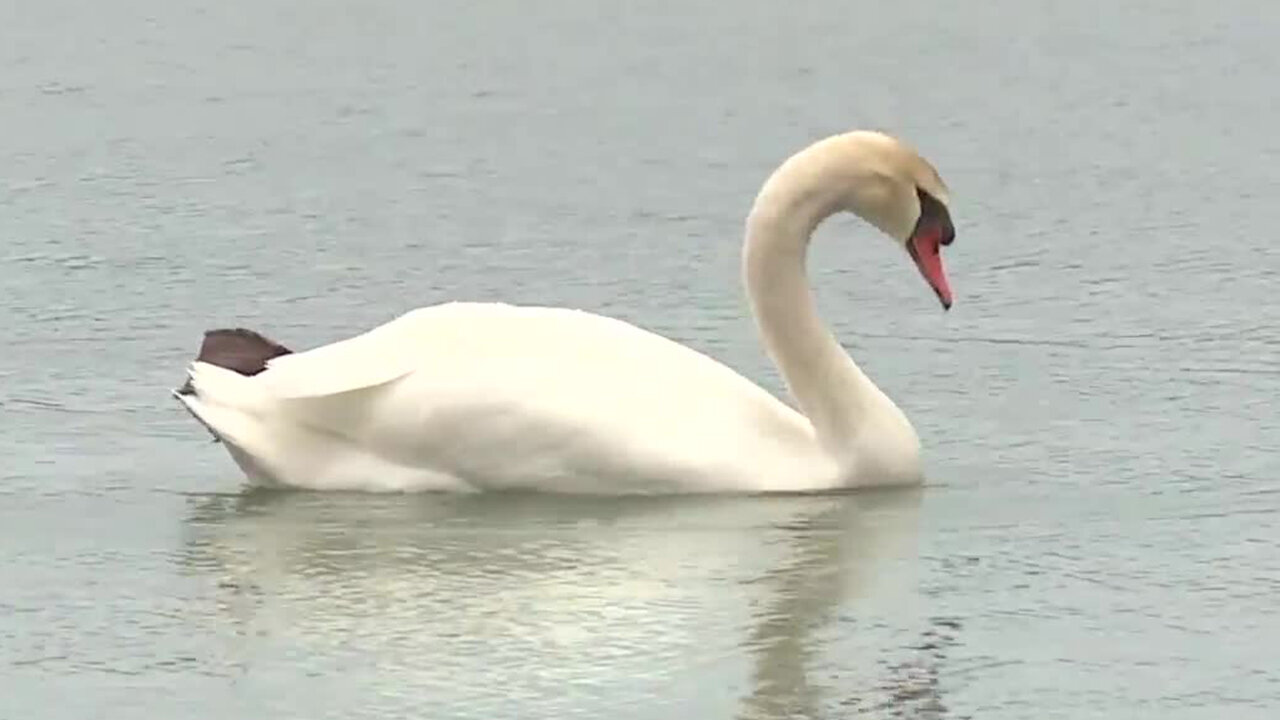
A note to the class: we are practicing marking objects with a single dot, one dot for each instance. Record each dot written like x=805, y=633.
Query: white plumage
x=488, y=396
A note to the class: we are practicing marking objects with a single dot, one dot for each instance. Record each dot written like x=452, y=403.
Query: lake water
x=1100, y=534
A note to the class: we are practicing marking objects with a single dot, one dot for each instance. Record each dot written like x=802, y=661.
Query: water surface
x=1099, y=534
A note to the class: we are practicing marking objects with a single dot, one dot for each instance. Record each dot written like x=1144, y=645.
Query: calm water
x=1100, y=534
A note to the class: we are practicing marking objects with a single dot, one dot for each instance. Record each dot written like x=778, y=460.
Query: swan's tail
x=214, y=391
x=243, y=351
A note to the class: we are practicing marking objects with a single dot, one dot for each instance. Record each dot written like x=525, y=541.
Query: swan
x=488, y=396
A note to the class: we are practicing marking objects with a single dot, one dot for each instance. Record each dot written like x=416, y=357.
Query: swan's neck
x=828, y=386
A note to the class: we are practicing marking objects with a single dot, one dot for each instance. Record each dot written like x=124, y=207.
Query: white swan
x=487, y=396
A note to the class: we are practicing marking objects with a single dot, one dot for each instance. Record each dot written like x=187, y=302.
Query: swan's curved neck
x=826, y=383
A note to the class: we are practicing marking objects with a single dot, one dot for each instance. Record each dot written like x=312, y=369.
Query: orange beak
x=925, y=248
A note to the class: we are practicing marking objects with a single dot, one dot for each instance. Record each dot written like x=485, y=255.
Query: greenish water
x=1099, y=535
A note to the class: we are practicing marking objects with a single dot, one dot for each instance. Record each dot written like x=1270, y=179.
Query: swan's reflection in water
x=539, y=606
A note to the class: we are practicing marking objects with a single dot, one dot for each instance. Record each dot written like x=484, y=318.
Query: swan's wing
x=379, y=356
x=395, y=349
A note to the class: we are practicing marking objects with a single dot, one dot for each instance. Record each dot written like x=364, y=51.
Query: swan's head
x=872, y=175
x=892, y=187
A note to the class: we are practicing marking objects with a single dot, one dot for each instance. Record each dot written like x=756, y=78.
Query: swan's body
x=488, y=396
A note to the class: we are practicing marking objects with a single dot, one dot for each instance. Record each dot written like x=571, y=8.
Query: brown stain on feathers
x=238, y=349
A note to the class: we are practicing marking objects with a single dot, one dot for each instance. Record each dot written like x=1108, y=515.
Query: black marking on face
x=933, y=212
